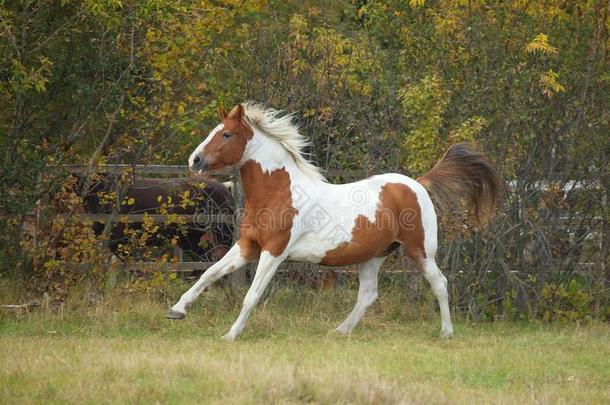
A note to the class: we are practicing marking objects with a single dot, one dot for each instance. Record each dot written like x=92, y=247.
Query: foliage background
x=377, y=86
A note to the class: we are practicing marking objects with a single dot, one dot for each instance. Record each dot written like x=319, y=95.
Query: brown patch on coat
x=249, y=248
x=398, y=218
x=269, y=214
x=411, y=233
x=222, y=152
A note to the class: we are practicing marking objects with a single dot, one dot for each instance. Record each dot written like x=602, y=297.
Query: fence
x=177, y=170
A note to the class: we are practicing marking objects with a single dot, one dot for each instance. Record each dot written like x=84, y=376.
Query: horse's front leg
x=232, y=261
x=267, y=266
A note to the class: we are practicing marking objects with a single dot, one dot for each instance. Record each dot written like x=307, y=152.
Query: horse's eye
x=226, y=135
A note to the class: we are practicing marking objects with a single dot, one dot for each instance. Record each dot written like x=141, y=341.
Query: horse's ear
x=237, y=112
x=222, y=114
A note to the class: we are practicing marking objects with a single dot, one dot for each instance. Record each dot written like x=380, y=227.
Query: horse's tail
x=463, y=174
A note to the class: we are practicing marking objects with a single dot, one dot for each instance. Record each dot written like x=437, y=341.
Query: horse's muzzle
x=198, y=164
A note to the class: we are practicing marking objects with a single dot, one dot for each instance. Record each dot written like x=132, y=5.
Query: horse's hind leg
x=419, y=240
x=438, y=282
x=367, y=293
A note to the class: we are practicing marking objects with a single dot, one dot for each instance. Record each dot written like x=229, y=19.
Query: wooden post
x=604, y=246
x=177, y=254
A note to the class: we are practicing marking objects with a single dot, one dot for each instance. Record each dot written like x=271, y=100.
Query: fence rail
x=157, y=218
x=188, y=267
x=184, y=171
x=180, y=170
x=119, y=168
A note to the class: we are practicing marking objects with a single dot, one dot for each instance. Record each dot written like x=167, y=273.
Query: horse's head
x=225, y=145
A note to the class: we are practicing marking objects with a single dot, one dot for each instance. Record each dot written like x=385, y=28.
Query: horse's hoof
x=229, y=337
x=175, y=315
x=342, y=331
x=446, y=334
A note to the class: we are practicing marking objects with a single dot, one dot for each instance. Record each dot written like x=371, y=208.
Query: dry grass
x=123, y=350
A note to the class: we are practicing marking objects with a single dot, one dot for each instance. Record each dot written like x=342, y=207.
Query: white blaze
x=202, y=145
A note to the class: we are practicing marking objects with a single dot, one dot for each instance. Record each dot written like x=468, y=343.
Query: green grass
x=123, y=350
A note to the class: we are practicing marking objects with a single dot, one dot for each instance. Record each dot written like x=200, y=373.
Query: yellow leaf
x=131, y=201
x=540, y=44
x=549, y=83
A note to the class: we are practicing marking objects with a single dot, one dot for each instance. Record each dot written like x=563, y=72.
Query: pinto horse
x=292, y=213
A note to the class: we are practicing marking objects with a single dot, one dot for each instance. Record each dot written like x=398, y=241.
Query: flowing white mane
x=285, y=132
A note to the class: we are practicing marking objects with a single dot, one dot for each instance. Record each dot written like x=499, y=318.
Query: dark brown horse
x=195, y=197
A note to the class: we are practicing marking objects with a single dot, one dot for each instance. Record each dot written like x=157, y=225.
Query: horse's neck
x=268, y=170
x=267, y=152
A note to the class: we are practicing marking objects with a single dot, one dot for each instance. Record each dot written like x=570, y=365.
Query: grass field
x=123, y=350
